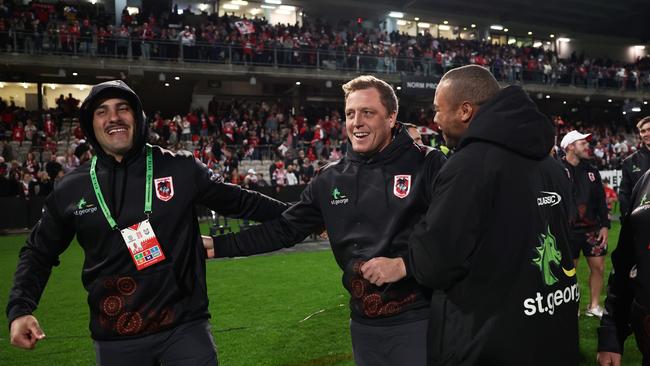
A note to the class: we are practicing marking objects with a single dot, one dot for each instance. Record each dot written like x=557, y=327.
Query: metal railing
x=278, y=56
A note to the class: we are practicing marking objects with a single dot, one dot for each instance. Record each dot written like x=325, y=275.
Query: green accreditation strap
x=148, y=192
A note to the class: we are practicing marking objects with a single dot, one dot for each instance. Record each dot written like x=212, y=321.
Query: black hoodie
x=366, y=203
x=628, y=292
x=495, y=241
x=634, y=166
x=124, y=302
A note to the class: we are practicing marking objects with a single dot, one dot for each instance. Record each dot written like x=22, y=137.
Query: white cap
x=251, y=171
x=572, y=137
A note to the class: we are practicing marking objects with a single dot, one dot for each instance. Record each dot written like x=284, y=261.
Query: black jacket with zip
x=629, y=282
x=495, y=241
x=367, y=204
x=634, y=166
x=124, y=302
x=590, y=211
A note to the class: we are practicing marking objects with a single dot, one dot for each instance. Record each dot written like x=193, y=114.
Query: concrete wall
x=203, y=92
x=613, y=48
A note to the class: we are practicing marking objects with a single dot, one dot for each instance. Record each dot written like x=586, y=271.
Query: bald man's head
x=458, y=98
x=471, y=83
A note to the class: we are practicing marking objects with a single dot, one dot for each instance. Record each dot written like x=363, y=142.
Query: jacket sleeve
x=615, y=323
x=625, y=189
x=232, y=200
x=601, y=202
x=432, y=165
x=48, y=239
x=292, y=227
x=442, y=242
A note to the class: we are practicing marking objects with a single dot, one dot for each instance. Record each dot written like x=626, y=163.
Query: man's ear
x=467, y=111
x=392, y=119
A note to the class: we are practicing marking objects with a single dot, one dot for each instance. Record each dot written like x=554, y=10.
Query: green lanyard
x=148, y=192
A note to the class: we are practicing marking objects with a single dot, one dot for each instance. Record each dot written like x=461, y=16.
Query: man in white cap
x=590, y=226
x=250, y=180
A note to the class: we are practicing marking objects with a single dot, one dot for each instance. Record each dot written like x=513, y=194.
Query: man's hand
x=324, y=236
x=608, y=359
x=382, y=270
x=602, y=236
x=25, y=332
x=208, y=244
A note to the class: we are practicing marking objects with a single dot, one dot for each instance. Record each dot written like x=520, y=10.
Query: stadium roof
x=622, y=18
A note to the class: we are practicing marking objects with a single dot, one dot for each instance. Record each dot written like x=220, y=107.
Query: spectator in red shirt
x=77, y=131
x=18, y=133
x=279, y=177
x=193, y=119
x=236, y=178
x=75, y=36
x=146, y=36
x=7, y=117
x=49, y=128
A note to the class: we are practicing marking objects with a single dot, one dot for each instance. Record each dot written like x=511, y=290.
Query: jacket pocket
x=134, y=304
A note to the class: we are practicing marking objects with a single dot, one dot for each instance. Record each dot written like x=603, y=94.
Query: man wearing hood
x=365, y=201
x=495, y=237
x=144, y=266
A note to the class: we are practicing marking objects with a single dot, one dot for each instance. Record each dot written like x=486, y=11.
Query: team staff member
x=628, y=297
x=635, y=165
x=144, y=266
x=495, y=236
x=590, y=226
x=365, y=201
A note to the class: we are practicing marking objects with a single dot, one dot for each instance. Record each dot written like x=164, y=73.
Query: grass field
x=284, y=309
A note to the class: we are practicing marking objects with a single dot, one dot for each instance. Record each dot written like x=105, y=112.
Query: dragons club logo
x=164, y=188
x=547, y=254
x=548, y=258
x=402, y=185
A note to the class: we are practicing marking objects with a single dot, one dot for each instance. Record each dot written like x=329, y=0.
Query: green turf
x=258, y=305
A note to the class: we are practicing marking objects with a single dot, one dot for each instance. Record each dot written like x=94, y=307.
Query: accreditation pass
x=143, y=245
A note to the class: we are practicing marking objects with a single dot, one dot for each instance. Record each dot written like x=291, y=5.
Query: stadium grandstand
x=253, y=88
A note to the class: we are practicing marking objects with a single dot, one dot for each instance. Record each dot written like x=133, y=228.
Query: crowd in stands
x=224, y=135
x=61, y=28
x=610, y=144
x=231, y=131
x=29, y=155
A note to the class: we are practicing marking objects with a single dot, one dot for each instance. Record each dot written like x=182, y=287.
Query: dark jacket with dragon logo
x=495, y=241
x=590, y=213
x=124, y=302
x=366, y=203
